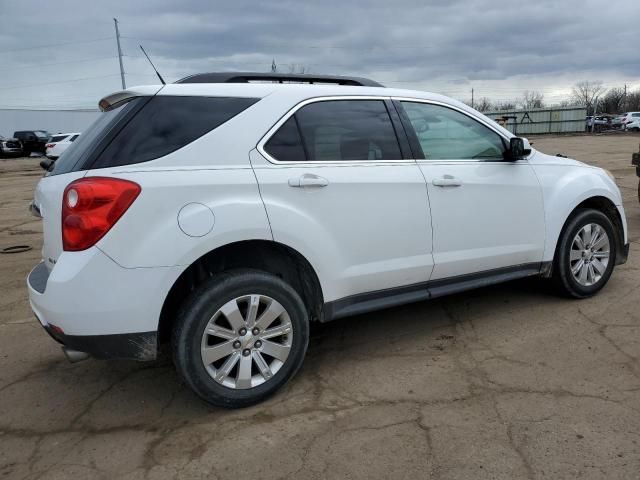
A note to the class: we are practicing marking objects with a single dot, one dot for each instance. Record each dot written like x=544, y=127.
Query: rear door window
x=167, y=123
x=348, y=130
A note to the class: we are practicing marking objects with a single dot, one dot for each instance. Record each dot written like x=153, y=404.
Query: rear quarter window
x=167, y=123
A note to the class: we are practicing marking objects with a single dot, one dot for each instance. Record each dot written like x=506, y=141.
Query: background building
x=53, y=121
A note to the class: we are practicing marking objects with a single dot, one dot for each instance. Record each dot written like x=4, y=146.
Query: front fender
x=565, y=187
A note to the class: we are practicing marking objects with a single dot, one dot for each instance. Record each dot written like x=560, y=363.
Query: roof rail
x=246, y=77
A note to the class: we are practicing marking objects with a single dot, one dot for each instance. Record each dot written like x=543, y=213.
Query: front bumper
x=10, y=151
x=89, y=303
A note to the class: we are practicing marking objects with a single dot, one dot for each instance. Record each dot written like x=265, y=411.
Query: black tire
x=194, y=316
x=565, y=283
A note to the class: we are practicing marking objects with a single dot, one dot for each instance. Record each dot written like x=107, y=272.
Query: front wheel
x=585, y=254
x=239, y=337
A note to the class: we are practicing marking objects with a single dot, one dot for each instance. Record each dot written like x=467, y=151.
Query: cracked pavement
x=504, y=382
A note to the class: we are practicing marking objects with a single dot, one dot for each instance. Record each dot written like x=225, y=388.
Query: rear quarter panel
x=148, y=234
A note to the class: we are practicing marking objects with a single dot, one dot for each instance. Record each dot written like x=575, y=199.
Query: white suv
x=630, y=118
x=59, y=143
x=225, y=213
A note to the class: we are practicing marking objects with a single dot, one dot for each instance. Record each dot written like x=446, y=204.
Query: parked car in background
x=224, y=217
x=633, y=126
x=59, y=143
x=629, y=117
x=600, y=123
x=10, y=147
x=33, y=140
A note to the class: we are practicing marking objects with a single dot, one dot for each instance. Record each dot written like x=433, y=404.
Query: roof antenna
x=153, y=66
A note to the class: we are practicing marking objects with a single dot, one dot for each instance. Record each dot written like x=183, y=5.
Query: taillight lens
x=91, y=206
x=50, y=145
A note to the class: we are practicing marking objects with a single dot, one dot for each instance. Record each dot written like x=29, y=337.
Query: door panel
x=494, y=218
x=366, y=228
x=487, y=212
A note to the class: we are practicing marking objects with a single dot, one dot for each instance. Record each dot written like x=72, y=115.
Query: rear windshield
x=80, y=152
x=58, y=138
x=147, y=128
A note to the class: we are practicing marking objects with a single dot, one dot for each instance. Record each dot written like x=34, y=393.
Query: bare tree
x=585, y=93
x=532, y=99
x=505, y=105
x=612, y=101
x=298, y=68
x=633, y=101
x=483, y=104
x=567, y=102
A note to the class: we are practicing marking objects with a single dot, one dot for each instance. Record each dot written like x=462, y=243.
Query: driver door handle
x=447, y=181
x=308, y=180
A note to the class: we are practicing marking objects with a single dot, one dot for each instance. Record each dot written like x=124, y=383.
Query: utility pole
x=472, y=98
x=115, y=21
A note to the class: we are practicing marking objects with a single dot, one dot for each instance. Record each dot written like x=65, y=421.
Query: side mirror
x=519, y=148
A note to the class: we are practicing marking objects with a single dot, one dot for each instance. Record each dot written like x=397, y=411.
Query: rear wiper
x=47, y=164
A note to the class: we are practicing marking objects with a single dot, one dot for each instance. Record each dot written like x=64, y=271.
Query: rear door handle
x=308, y=180
x=447, y=181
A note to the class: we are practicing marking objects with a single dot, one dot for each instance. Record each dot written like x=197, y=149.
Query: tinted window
x=166, y=124
x=73, y=139
x=348, y=130
x=286, y=144
x=57, y=138
x=446, y=134
x=635, y=114
x=79, y=153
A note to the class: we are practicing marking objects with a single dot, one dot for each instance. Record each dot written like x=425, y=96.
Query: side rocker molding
x=392, y=297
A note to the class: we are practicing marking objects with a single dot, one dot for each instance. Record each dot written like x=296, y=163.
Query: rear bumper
x=134, y=346
x=89, y=303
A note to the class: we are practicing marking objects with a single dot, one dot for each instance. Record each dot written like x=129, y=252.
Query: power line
x=51, y=45
x=58, y=82
x=63, y=63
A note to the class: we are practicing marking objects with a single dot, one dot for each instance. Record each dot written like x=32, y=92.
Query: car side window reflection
x=446, y=134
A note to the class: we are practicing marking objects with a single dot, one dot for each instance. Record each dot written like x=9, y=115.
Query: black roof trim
x=246, y=77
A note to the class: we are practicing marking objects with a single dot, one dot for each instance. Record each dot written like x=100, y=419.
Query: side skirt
x=392, y=297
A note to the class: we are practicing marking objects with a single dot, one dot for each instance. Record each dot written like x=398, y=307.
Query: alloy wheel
x=590, y=254
x=246, y=341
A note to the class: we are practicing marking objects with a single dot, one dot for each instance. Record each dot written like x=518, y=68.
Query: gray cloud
x=499, y=48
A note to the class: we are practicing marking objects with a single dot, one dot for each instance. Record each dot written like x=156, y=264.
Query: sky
x=63, y=54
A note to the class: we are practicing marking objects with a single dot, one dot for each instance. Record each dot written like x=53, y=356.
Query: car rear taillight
x=91, y=206
x=50, y=145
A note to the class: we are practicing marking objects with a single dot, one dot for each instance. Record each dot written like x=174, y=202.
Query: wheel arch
x=602, y=204
x=264, y=255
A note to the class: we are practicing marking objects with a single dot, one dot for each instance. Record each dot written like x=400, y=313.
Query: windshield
x=74, y=157
x=41, y=134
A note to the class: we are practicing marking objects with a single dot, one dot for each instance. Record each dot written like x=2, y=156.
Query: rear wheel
x=240, y=337
x=585, y=254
